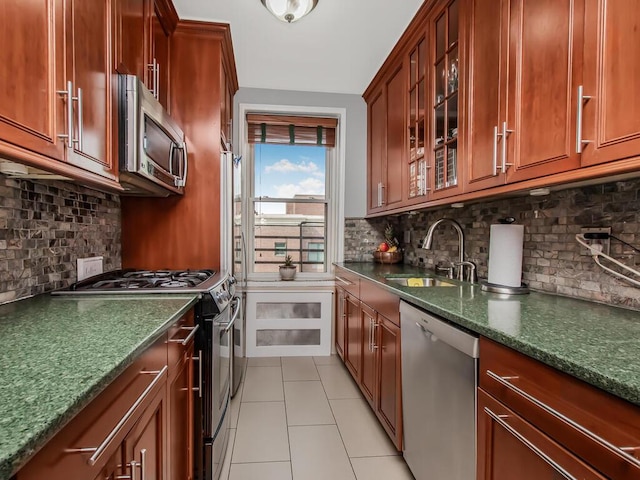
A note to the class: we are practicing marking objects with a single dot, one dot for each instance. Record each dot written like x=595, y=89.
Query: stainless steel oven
x=216, y=314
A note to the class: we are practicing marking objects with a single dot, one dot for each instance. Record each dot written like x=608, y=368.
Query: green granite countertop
x=595, y=343
x=58, y=353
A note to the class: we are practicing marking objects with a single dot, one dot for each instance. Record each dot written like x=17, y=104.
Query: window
x=280, y=249
x=291, y=202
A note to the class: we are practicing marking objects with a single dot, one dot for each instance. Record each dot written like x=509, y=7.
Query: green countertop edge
x=10, y=464
x=628, y=390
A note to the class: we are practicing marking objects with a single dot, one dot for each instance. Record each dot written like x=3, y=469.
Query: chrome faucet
x=461, y=263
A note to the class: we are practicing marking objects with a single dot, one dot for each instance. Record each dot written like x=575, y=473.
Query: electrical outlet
x=88, y=267
x=407, y=237
x=606, y=244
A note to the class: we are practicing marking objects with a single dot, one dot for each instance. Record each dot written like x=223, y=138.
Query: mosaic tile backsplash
x=45, y=226
x=552, y=259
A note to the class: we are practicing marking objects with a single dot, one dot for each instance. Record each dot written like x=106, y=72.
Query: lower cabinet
x=535, y=422
x=371, y=351
x=139, y=427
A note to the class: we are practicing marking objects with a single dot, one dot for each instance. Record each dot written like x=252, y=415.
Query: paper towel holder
x=503, y=289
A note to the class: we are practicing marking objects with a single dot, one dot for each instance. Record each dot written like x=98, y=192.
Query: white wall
x=355, y=201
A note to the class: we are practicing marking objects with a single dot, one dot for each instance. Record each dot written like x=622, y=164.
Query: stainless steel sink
x=419, y=282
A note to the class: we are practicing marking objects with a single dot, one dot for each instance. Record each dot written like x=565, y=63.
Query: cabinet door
x=395, y=171
x=180, y=439
x=160, y=52
x=369, y=347
x=144, y=446
x=545, y=69
x=611, y=68
x=486, y=91
x=354, y=337
x=90, y=71
x=377, y=135
x=388, y=398
x=509, y=447
x=130, y=36
x=340, y=323
x=32, y=113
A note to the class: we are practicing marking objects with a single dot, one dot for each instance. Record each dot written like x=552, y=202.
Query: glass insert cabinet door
x=418, y=183
x=445, y=98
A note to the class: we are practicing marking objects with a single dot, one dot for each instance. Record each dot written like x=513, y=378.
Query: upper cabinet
x=386, y=141
x=55, y=92
x=526, y=65
x=610, y=102
x=517, y=94
x=142, y=29
x=445, y=99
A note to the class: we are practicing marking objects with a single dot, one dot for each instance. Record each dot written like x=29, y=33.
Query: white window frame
x=335, y=174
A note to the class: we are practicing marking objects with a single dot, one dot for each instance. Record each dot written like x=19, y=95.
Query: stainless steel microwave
x=152, y=148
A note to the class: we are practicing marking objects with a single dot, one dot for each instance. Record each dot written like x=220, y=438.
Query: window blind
x=292, y=130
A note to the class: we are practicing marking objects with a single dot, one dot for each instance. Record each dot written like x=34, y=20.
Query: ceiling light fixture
x=289, y=10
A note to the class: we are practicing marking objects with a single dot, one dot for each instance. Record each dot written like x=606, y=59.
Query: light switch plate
x=606, y=244
x=88, y=267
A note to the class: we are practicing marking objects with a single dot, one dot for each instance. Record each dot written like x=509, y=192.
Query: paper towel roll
x=505, y=255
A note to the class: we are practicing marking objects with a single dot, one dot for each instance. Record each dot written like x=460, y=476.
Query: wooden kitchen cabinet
x=534, y=422
x=526, y=66
x=372, y=348
x=145, y=445
x=89, y=70
x=610, y=119
x=368, y=319
x=386, y=142
x=55, y=93
x=353, y=355
x=446, y=70
x=509, y=447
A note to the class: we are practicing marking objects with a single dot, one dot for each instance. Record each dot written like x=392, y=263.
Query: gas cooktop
x=146, y=281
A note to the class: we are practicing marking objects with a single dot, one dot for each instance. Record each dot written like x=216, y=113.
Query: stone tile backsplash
x=552, y=259
x=45, y=226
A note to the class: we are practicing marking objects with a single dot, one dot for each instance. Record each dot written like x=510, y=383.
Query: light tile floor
x=304, y=418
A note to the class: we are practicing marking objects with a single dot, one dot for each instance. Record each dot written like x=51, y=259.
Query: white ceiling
x=337, y=48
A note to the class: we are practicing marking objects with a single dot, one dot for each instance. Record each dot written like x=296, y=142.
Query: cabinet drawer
x=85, y=445
x=598, y=427
x=181, y=336
x=348, y=281
x=382, y=301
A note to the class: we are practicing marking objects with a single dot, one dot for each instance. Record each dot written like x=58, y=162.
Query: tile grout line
x=336, y=423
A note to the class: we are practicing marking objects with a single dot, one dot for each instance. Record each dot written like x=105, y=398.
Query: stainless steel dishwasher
x=439, y=380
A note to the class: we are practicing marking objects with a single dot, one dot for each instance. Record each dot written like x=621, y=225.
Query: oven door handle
x=234, y=317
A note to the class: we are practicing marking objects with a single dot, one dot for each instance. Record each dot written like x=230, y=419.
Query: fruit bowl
x=387, y=257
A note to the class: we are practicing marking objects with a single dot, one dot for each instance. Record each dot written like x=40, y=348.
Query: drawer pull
x=185, y=341
x=345, y=282
x=199, y=360
x=596, y=438
x=99, y=450
x=499, y=419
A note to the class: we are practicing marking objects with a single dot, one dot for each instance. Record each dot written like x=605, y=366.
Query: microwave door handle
x=181, y=182
x=171, y=149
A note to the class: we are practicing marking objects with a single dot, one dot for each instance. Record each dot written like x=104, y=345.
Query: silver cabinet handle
x=382, y=189
x=187, y=339
x=505, y=134
x=100, y=449
x=582, y=99
x=153, y=66
x=80, y=119
x=342, y=280
x=143, y=463
x=504, y=381
x=373, y=336
x=68, y=93
x=379, y=194
x=552, y=463
x=157, y=87
x=496, y=134
x=199, y=360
